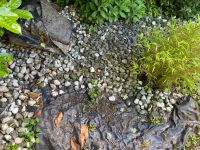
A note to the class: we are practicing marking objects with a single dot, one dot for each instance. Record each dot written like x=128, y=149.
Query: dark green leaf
x=103, y=14
x=1, y=32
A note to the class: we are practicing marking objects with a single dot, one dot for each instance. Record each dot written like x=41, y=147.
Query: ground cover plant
x=9, y=14
x=99, y=11
x=171, y=57
x=29, y=136
x=4, y=59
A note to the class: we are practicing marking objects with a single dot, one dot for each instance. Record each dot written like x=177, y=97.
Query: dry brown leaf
x=84, y=130
x=73, y=144
x=58, y=119
x=33, y=95
x=81, y=139
x=49, y=71
x=37, y=113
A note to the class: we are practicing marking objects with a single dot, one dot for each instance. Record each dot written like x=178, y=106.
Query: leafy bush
x=4, y=58
x=171, y=57
x=98, y=11
x=62, y=3
x=180, y=8
x=9, y=14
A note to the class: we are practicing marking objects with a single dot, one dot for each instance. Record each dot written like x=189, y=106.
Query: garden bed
x=92, y=85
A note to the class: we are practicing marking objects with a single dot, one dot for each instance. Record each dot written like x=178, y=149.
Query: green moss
x=192, y=141
x=155, y=120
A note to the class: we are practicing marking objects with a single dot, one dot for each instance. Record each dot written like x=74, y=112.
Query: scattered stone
x=136, y=101
x=92, y=69
x=3, y=100
x=56, y=82
x=31, y=102
x=67, y=84
x=112, y=98
x=4, y=127
x=4, y=89
x=54, y=93
x=8, y=137
x=29, y=61
x=9, y=130
x=18, y=140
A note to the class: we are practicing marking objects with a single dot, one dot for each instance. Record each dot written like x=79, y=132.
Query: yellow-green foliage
x=9, y=15
x=171, y=57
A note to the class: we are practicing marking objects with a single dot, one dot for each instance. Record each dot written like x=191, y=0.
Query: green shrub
x=99, y=11
x=62, y=3
x=4, y=58
x=180, y=8
x=9, y=14
x=171, y=57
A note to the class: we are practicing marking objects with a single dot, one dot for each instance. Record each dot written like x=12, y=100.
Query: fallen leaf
x=73, y=144
x=58, y=119
x=84, y=130
x=49, y=71
x=37, y=113
x=81, y=139
x=33, y=95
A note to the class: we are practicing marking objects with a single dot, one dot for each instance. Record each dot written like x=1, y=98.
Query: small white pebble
x=112, y=98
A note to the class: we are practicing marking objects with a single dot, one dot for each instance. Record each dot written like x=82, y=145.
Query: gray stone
x=4, y=89
x=92, y=69
x=76, y=83
x=31, y=102
x=160, y=104
x=15, y=110
x=54, y=93
x=6, y=119
x=53, y=86
x=9, y=130
x=29, y=61
x=172, y=101
x=3, y=100
x=112, y=98
x=56, y=82
x=22, y=97
x=18, y=140
x=136, y=101
x=4, y=127
x=23, y=70
x=67, y=84
x=8, y=137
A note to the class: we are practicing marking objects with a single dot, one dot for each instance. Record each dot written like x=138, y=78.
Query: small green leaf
x=125, y=8
x=92, y=6
x=10, y=25
x=23, y=13
x=6, y=57
x=103, y=14
x=123, y=15
x=37, y=140
x=14, y=4
x=37, y=129
x=3, y=71
x=6, y=12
